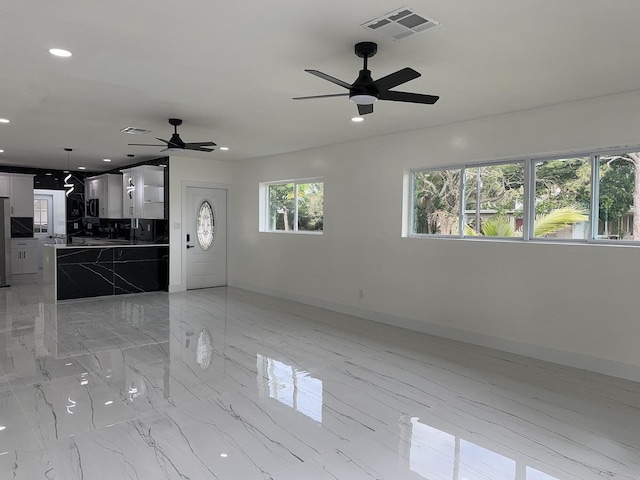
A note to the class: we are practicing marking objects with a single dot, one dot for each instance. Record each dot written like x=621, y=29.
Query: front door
x=206, y=237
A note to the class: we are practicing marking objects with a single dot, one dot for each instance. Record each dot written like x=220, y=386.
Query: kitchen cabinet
x=24, y=255
x=143, y=192
x=19, y=189
x=5, y=186
x=107, y=190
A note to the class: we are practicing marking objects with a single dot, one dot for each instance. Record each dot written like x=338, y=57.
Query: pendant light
x=68, y=184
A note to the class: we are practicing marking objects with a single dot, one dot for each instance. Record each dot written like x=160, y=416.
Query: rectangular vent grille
x=400, y=23
x=135, y=131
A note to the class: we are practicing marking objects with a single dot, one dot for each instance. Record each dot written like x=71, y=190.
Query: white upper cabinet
x=143, y=192
x=107, y=190
x=21, y=195
x=5, y=186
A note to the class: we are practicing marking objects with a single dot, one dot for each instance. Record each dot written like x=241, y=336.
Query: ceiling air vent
x=400, y=23
x=135, y=131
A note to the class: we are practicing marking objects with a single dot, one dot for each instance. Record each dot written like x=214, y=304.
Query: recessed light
x=224, y=148
x=4, y=120
x=357, y=119
x=82, y=168
x=48, y=173
x=108, y=402
x=59, y=52
x=106, y=159
x=1, y=151
x=224, y=455
x=2, y=427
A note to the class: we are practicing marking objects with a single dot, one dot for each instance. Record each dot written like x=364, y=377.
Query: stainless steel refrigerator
x=5, y=242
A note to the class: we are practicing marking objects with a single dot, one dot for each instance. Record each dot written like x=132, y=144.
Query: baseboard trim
x=570, y=359
x=176, y=288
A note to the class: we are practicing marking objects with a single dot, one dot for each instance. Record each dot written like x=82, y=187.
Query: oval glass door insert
x=205, y=222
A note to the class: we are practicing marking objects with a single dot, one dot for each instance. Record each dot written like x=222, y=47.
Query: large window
x=492, y=204
x=583, y=198
x=295, y=206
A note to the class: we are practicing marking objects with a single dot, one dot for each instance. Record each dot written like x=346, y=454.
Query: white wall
x=573, y=304
x=182, y=172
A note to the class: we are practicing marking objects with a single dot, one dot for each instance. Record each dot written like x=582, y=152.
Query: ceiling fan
x=176, y=144
x=365, y=91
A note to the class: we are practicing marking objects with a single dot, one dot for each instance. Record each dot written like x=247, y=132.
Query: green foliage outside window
x=307, y=198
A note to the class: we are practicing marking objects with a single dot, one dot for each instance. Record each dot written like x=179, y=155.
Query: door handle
x=190, y=246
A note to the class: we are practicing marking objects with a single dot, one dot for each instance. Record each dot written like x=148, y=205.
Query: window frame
x=265, y=210
x=528, y=199
x=38, y=225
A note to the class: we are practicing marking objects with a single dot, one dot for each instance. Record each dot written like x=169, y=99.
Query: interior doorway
x=49, y=218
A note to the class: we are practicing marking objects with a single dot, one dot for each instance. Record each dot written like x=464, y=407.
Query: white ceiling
x=230, y=69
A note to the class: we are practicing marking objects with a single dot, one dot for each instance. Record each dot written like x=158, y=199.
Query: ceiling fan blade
x=394, y=79
x=322, y=96
x=197, y=148
x=200, y=144
x=329, y=78
x=146, y=145
x=365, y=109
x=409, y=97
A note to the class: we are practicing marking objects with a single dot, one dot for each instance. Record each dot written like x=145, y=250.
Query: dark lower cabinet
x=141, y=269
x=94, y=272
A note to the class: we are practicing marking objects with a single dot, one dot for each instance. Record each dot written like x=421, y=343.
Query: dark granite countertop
x=89, y=242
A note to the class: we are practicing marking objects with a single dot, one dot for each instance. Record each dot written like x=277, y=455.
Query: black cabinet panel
x=84, y=272
x=141, y=269
x=92, y=272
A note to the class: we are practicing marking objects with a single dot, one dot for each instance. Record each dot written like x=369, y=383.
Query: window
x=206, y=225
x=618, y=192
x=494, y=199
x=562, y=198
x=40, y=216
x=436, y=202
x=582, y=198
x=295, y=206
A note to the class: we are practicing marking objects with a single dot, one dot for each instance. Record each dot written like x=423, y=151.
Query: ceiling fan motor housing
x=362, y=91
x=176, y=141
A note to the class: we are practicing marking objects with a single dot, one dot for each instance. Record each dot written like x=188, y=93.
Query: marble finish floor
x=228, y=384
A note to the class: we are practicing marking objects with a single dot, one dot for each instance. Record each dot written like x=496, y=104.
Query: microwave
x=93, y=208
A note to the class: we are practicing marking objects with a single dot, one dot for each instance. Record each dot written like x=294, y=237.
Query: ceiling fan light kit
x=366, y=91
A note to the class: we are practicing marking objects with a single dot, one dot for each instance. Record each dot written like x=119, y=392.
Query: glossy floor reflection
x=228, y=384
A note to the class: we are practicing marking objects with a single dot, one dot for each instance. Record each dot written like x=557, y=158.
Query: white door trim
x=185, y=213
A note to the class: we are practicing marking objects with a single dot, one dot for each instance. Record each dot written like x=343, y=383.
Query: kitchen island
x=100, y=268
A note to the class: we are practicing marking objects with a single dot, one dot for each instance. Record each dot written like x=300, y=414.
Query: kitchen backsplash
x=140, y=229
x=21, y=227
